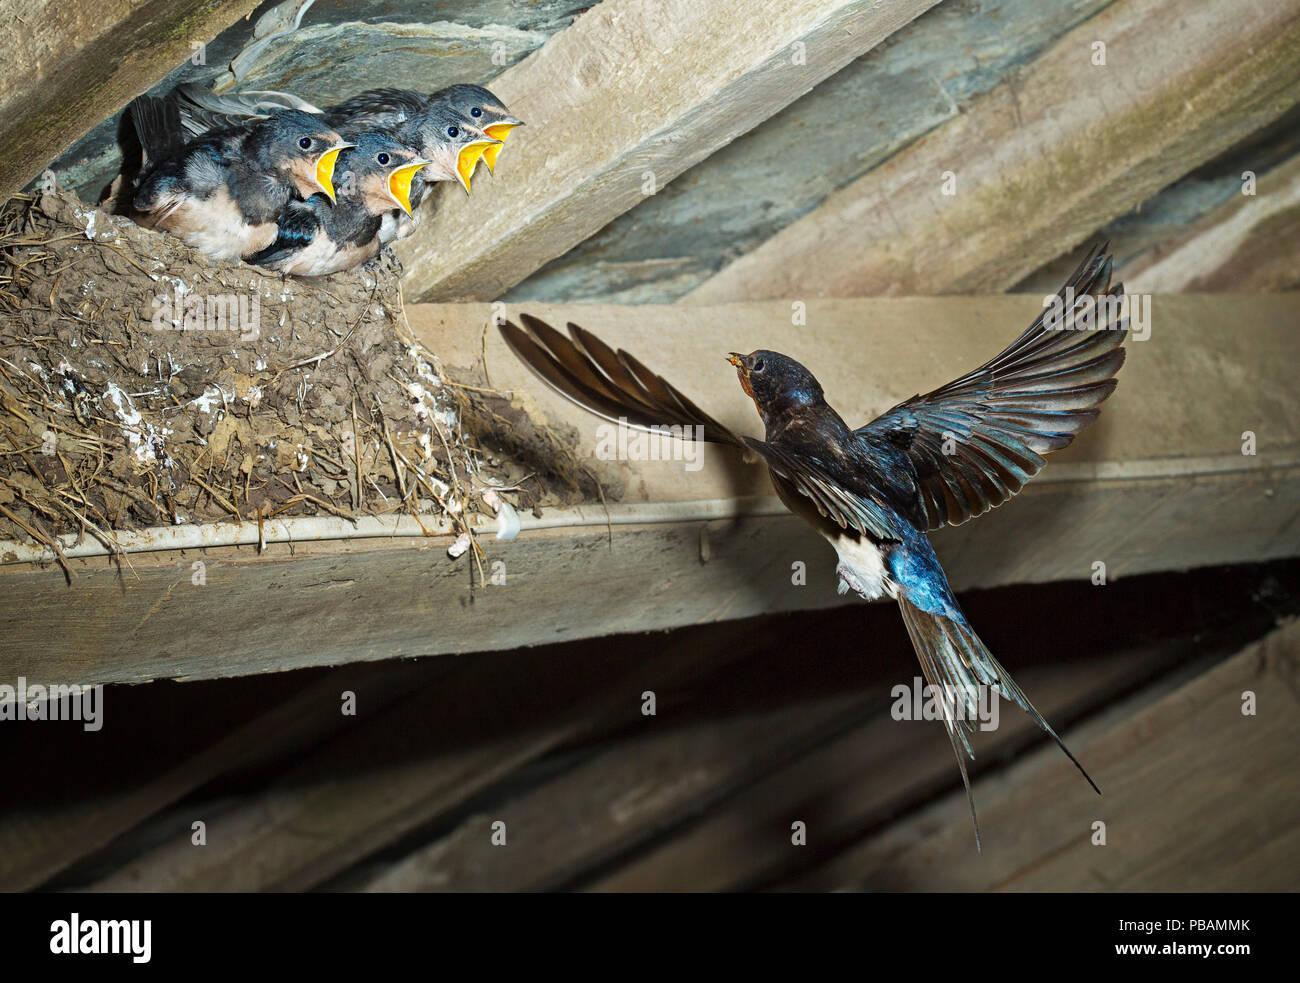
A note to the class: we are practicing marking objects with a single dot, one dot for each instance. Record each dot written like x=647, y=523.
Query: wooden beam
x=39, y=841
x=613, y=800
x=622, y=101
x=400, y=767
x=929, y=72
x=867, y=773
x=700, y=797
x=1043, y=160
x=1185, y=758
x=69, y=66
x=1160, y=482
x=1248, y=243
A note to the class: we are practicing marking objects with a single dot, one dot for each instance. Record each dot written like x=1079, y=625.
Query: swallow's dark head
x=300, y=148
x=452, y=142
x=777, y=383
x=484, y=110
x=378, y=172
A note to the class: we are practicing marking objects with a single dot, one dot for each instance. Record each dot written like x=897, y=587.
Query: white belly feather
x=862, y=568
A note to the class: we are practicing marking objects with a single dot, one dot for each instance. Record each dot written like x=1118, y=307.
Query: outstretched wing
x=618, y=387
x=976, y=441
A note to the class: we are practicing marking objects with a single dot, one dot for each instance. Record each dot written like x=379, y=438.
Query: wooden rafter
x=68, y=66
x=1156, y=453
x=1041, y=161
x=626, y=98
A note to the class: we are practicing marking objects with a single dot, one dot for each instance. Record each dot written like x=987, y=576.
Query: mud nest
x=142, y=384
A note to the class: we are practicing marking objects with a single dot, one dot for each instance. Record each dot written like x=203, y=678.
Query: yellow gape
x=325, y=169
x=497, y=131
x=467, y=159
x=399, y=183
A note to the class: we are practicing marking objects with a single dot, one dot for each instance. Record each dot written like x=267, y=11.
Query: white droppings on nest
x=445, y=497
x=214, y=399
x=427, y=399
x=94, y=222
x=459, y=547
x=253, y=397
x=302, y=456
x=147, y=442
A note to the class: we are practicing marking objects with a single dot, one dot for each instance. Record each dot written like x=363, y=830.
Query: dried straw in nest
x=142, y=384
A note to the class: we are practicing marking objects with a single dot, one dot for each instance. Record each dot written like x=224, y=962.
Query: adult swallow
x=875, y=491
x=316, y=238
x=394, y=107
x=223, y=192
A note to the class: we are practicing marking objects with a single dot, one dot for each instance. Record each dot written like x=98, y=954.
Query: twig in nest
x=216, y=496
x=317, y=359
x=392, y=451
x=359, y=490
x=44, y=540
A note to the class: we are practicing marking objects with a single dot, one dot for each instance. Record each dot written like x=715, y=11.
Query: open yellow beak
x=399, y=183
x=497, y=131
x=325, y=169
x=467, y=160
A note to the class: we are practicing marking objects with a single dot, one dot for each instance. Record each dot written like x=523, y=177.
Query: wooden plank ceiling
x=747, y=737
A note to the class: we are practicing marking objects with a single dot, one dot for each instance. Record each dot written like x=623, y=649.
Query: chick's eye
x=305, y=143
x=382, y=158
x=453, y=131
x=476, y=112
x=758, y=366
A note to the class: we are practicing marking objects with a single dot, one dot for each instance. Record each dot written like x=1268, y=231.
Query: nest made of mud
x=142, y=384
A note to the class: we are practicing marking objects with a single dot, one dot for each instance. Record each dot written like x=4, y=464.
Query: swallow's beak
x=468, y=157
x=497, y=131
x=738, y=360
x=325, y=169
x=399, y=182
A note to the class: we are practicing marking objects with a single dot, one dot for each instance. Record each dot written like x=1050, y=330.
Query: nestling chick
x=316, y=238
x=393, y=107
x=223, y=192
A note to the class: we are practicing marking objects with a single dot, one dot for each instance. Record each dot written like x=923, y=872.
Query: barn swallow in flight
x=316, y=238
x=875, y=491
x=394, y=107
x=223, y=192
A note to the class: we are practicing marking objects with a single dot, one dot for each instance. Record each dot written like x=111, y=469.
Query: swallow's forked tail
x=956, y=663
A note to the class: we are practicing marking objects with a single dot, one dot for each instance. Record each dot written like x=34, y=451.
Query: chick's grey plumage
x=391, y=106
x=223, y=192
x=432, y=124
x=315, y=238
